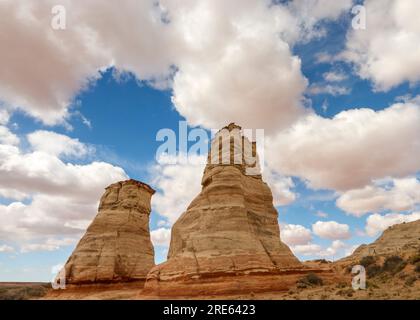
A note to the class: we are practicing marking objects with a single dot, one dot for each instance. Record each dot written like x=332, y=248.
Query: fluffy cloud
x=57, y=144
x=331, y=230
x=8, y=137
x=334, y=90
x=351, y=149
x=241, y=66
x=281, y=187
x=293, y=234
x=336, y=250
x=308, y=14
x=161, y=237
x=335, y=247
x=388, y=51
x=321, y=214
x=41, y=74
x=4, y=116
x=334, y=76
x=394, y=195
x=244, y=70
x=177, y=182
x=377, y=223
x=244, y=61
x=42, y=173
x=49, y=245
x=60, y=198
x=299, y=239
x=6, y=249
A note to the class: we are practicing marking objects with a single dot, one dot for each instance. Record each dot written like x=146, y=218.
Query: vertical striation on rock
x=116, y=246
x=230, y=230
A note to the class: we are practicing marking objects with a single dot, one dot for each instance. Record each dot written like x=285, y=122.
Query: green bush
x=410, y=281
x=367, y=261
x=393, y=264
x=23, y=292
x=322, y=261
x=373, y=270
x=371, y=285
x=345, y=292
x=311, y=279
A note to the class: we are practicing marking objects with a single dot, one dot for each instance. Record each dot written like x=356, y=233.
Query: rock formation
x=116, y=246
x=228, y=240
x=401, y=239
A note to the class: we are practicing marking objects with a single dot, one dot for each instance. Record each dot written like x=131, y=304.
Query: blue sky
x=114, y=120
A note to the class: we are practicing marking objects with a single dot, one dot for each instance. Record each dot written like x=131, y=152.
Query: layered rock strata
x=228, y=239
x=116, y=246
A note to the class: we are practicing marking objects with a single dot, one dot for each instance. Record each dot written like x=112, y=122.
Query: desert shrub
x=323, y=261
x=311, y=279
x=345, y=292
x=367, y=261
x=417, y=268
x=301, y=285
x=373, y=270
x=410, y=281
x=22, y=292
x=393, y=264
x=371, y=285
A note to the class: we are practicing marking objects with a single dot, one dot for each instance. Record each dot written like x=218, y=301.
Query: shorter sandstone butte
x=228, y=239
x=116, y=246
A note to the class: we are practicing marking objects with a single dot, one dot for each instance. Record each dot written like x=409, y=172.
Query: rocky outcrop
x=401, y=239
x=116, y=246
x=228, y=239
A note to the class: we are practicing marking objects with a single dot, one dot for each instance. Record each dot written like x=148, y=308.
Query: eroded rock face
x=229, y=236
x=116, y=247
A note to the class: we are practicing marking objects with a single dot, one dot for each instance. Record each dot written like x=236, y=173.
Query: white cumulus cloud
x=331, y=230
x=57, y=144
x=225, y=60
x=161, y=237
x=377, y=223
x=6, y=249
x=388, y=51
x=60, y=197
x=177, y=182
x=293, y=234
x=394, y=195
x=350, y=150
x=7, y=137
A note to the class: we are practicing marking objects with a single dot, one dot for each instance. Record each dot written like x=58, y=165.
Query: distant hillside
x=23, y=290
x=401, y=239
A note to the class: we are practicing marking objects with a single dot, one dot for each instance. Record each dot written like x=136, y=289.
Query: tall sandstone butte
x=228, y=240
x=116, y=246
